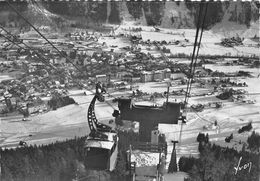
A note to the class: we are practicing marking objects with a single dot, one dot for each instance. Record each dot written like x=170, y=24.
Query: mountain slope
x=226, y=18
x=238, y=19
x=177, y=16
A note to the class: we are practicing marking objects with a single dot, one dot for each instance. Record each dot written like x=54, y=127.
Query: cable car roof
x=99, y=144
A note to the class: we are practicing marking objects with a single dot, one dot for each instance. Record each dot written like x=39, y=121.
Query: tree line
x=62, y=161
x=217, y=163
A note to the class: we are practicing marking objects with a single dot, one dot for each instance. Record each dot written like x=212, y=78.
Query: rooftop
x=106, y=144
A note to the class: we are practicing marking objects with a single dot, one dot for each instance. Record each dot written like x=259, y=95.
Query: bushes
x=60, y=101
x=254, y=142
x=216, y=163
x=47, y=162
x=186, y=164
x=59, y=161
x=200, y=137
x=203, y=138
x=245, y=128
x=229, y=138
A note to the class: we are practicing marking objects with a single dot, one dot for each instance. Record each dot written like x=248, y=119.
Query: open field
x=63, y=123
x=209, y=42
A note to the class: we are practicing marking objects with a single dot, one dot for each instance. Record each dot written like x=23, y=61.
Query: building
x=33, y=108
x=158, y=75
x=167, y=73
x=102, y=78
x=120, y=75
x=177, y=76
x=149, y=116
x=135, y=79
x=146, y=76
x=58, y=60
x=201, y=72
x=127, y=78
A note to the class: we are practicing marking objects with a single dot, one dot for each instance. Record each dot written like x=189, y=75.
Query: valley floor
x=70, y=121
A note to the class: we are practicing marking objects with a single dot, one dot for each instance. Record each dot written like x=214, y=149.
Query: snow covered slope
x=238, y=22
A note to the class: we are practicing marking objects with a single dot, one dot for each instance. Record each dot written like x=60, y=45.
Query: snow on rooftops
x=106, y=144
x=145, y=72
x=99, y=144
x=102, y=75
x=143, y=158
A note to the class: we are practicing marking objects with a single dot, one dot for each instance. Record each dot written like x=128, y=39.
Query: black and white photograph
x=129, y=90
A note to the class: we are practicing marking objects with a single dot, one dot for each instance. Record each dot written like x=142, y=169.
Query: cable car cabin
x=101, y=144
x=101, y=154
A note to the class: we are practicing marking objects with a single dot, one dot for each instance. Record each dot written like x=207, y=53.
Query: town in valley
x=133, y=95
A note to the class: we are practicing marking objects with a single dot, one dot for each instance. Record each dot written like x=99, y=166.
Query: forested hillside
x=60, y=161
x=65, y=161
x=155, y=13
x=217, y=163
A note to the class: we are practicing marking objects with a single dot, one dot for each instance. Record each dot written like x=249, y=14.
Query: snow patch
x=176, y=16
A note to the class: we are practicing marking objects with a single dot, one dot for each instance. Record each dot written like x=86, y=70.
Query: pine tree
x=207, y=138
x=173, y=163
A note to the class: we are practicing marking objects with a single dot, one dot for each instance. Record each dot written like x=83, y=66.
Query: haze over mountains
x=227, y=18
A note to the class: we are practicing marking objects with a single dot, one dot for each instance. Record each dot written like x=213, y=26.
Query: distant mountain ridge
x=222, y=17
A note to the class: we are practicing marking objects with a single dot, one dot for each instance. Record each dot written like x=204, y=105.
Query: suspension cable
x=13, y=36
x=195, y=62
x=43, y=59
x=44, y=37
x=193, y=54
x=192, y=66
x=12, y=41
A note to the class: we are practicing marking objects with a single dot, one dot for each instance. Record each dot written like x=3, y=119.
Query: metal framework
x=97, y=129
